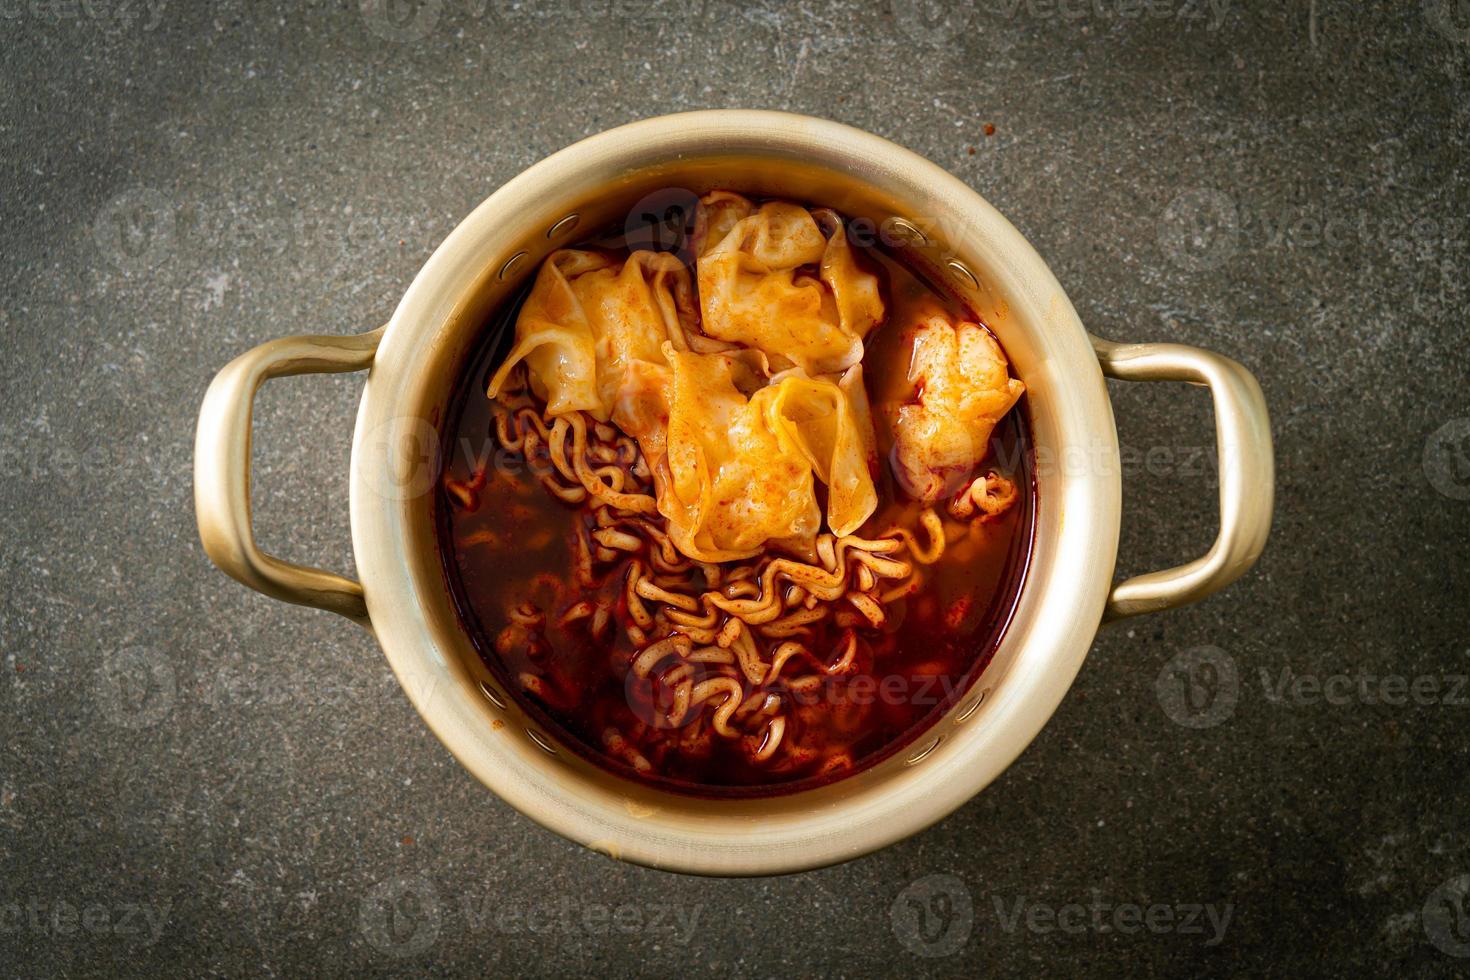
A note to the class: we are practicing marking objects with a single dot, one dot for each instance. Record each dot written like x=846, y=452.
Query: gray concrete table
x=198, y=780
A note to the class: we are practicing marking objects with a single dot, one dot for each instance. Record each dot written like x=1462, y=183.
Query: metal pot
x=412, y=364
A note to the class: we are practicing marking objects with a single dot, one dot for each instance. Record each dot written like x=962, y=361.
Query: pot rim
x=1062, y=598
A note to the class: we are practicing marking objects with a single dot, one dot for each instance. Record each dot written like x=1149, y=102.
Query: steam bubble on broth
x=735, y=557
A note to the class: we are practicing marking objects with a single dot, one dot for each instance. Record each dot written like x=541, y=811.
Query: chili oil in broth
x=509, y=542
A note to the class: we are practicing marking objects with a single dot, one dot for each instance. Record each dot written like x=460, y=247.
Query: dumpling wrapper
x=964, y=390
x=755, y=289
x=589, y=320
x=731, y=484
x=739, y=472
x=831, y=425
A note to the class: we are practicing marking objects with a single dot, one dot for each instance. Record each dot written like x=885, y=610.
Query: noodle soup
x=718, y=553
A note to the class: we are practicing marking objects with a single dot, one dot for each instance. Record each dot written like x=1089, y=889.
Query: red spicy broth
x=508, y=546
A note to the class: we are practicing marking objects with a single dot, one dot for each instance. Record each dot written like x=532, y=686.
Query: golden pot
x=412, y=365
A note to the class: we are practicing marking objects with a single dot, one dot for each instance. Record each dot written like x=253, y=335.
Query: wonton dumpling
x=754, y=289
x=736, y=474
x=964, y=389
x=641, y=407
x=833, y=428
x=590, y=319
x=719, y=211
x=859, y=301
x=730, y=483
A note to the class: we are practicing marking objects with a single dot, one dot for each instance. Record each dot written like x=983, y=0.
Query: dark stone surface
x=269, y=785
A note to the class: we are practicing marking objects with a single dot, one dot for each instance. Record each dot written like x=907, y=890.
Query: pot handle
x=222, y=469
x=1247, y=472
